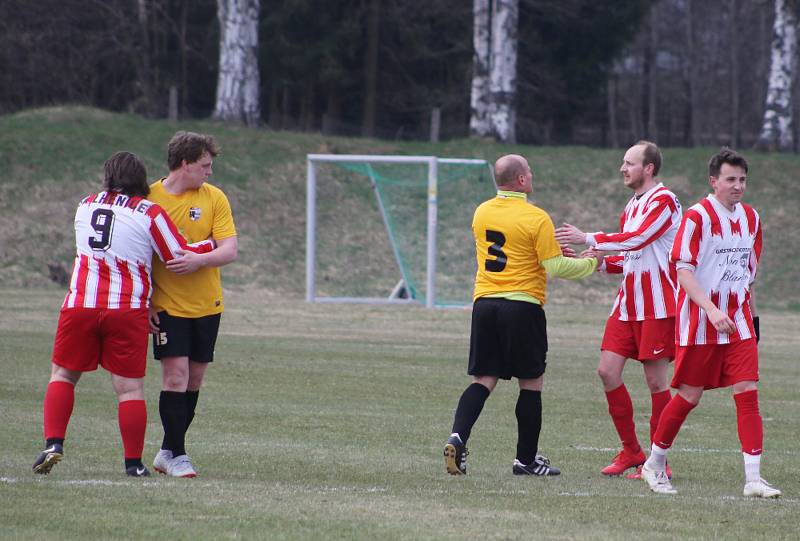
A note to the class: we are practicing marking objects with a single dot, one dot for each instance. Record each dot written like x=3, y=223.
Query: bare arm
x=692, y=287
x=188, y=262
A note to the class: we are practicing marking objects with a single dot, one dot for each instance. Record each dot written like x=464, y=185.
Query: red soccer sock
x=132, y=426
x=58, y=402
x=621, y=409
x=748, y=421
x=659, y=401
x=672, y=417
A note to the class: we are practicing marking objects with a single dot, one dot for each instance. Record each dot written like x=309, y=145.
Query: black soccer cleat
x=540, y=467
x=455, y=456
x=48, y=458
x=137, y=471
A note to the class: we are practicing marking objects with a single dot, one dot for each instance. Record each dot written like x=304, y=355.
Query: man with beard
x=642, y=321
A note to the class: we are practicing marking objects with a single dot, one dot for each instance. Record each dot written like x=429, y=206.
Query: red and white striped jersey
x=115, y=237
x=647, y=229
x=722, y=248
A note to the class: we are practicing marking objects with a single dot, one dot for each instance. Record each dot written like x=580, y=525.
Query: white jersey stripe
x=648, y=226
x=114, y=233
x=728, y=247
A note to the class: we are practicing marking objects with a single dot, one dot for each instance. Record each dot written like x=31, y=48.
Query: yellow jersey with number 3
x=512, y=238
x=198, y=214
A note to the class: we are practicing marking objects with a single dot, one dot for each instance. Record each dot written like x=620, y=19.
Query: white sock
x=752, y=468
x=457, y=435
x=658, y=458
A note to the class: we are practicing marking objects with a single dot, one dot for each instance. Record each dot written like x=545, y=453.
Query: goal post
x=402, y=182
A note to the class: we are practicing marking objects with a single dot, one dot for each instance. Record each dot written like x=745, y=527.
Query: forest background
x=680, y=72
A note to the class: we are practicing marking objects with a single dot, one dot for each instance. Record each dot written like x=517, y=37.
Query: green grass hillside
x=52, y=157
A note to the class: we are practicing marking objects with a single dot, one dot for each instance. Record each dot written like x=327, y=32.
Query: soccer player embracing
x=104, y=318
x=187, y=293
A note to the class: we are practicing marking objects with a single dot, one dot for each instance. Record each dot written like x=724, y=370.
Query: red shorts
x=716, y=365
x=113, y=339
x=646, y=340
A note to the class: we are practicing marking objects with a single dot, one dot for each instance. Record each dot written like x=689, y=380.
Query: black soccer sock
x=137, y=462
x=172, y=408
x=529, y=424
x=469, y=409
x=191, y=405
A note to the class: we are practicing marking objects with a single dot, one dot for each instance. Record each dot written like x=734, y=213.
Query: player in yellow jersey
x=516, y=249
x=187, y=303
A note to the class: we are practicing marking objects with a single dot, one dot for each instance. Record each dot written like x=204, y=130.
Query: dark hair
x=507, y=168
x=651, y=154
x=189, y=146
x=125, y=173
x=725, y=155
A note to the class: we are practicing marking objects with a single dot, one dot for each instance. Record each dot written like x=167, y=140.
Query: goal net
x=392, y=228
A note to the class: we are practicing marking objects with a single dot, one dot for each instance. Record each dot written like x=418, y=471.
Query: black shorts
x=192, y=337
x=508, y=339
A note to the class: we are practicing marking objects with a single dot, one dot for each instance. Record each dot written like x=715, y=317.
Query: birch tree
x=503, y=72
x=776, y=130
x=238, y=82
x=480, y=100
x=494, y=69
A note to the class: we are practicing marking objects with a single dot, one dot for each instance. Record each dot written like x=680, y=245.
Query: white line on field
x=685, y=450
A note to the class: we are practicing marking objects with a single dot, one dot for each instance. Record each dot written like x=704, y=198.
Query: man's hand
x=567, y=251
x=569, y=234
x=598, y=255
x=154, y=321
x=721, y=321
x=188, y=262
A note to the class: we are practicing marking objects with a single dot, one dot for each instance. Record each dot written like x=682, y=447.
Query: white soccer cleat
x=181, y=466
x=657, y=480
x=162, y=460
x=761, y=489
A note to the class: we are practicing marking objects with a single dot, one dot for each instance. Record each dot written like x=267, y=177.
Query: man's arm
x=658, y=221
x=570, y=268
x=692, y=287
x=188, y=262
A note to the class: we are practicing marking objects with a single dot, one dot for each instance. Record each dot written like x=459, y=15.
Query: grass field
x=327, y=422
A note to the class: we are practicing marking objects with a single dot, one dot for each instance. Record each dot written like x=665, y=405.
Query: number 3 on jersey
x=498, y=240
x=103, y=224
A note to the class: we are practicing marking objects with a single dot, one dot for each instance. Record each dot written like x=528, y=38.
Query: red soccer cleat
x=624, y=460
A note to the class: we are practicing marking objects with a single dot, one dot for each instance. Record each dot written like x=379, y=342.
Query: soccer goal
x=392, y=229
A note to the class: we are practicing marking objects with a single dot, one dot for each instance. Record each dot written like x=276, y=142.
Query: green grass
x=53, y=156
x=327, y=422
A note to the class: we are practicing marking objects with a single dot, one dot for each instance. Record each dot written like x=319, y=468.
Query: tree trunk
x=652, y=84
x=142, y=61
x=503, y=74
x=480, y=100
x=692, y=82
x=238, y=83
x=733, y=48
x=611, y=105
x=776, y=131
x=371, y=69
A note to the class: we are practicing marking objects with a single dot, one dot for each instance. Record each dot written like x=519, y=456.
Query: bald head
x=508, y=169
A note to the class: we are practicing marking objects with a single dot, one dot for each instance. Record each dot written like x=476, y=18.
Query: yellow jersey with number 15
x=512, y=238
x=198, y=214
